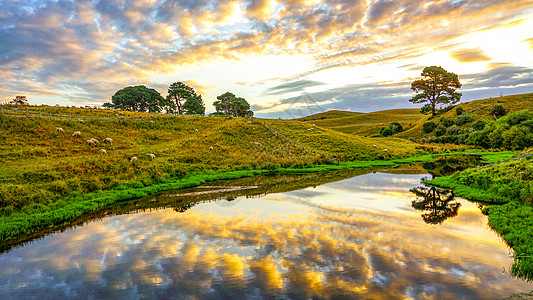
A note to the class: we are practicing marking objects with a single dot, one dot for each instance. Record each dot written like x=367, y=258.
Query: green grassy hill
x=39, y=165
x=477, y=110
x=366, y=124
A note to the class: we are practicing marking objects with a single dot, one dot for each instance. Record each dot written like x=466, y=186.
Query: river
x=376, y=235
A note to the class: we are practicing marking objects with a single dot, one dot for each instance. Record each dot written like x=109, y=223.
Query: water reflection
x=325, y=242
x=437, y=204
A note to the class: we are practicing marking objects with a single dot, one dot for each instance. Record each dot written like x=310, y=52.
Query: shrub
x=459, y=110
x=396, y=127
x=386, y=131
x=479, y=125
x=440, y=130
x=428, y=127
x=454, y=130
x=466, y=118
x=446, y=122
x=498, y=110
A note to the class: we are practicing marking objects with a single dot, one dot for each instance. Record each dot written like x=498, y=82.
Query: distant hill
x=366, y=124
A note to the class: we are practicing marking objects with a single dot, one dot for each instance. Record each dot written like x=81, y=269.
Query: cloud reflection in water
x=310, y=243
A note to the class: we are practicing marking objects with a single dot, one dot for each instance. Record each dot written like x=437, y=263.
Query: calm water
x=360, y=237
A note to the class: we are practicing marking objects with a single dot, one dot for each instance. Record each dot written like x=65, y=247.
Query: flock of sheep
x=92, y=142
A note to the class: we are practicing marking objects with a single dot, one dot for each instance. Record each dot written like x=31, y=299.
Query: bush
x=428, y=127
x=498, y=110
x=440, y=130
x=454, y=130
x=459, y=110
x=396, y=127
x=479, y=125
x=386, y=131
x=466, y=118
x=446, y=122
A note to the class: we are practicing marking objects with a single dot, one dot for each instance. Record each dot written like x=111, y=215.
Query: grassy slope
x=478, y=109
x=510, y=184
x=366, y=124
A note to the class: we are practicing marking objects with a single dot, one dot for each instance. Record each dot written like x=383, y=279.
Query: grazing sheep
x=385, y=150
x=151, y=156
x=311, y=129
x=95, y=141
x=211, y=148
x=314, y=125
x=133, y=159
x=103, y=151
x=258, y=144
x=196, y=130
x=76, y=134
x=90, y=143
x=60, y=130
x=248, y=122
x=374, y=146
x=108, y=140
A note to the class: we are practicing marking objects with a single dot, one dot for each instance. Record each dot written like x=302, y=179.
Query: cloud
x=58, y=45
x=290, y=87
x=469, y=55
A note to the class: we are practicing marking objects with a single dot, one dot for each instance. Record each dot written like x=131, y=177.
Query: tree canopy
x=229, y=104
x=182, y=99
x=138, y=98
x=437, y=88
x=19, y=100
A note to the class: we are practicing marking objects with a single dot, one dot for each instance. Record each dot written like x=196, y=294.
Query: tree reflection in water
x=437, y=204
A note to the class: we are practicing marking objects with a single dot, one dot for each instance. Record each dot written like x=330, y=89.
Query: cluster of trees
x=514, y=131
x=181, y=99
x=19, y=100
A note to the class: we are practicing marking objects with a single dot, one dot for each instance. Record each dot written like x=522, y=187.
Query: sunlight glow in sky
x=281, y=55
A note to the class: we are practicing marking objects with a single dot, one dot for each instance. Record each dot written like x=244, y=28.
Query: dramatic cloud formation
x=82, y=51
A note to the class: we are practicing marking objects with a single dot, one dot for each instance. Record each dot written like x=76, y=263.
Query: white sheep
x=211, y=148
x=60, y=130
x=76, y=134
x=103, y=151
x=133, y=159
x=108, y=140
x=258, y=144
x=374, y=146
x=248, y=122
x=385, y=150
x=95, y=141
x=196, y=130
x=151, y=156
x=314, y=125
x=90, y=143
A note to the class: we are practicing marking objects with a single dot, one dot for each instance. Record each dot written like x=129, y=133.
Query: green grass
x=507, y=190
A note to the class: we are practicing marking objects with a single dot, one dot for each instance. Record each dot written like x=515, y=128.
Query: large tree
x=194, y=105
x=19, y=100
x=138, y=98
x=436, y=88
x=229, y=104
x=178, y=94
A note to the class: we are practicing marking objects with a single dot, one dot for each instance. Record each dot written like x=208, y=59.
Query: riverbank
x=507, y=191
x=20, y=222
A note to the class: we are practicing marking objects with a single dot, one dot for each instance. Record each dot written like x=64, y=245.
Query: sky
x=287, y=58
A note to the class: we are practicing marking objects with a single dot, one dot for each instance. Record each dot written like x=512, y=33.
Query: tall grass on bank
x=508, y=189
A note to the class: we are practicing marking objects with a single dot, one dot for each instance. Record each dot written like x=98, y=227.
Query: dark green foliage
x=454, y=130
x=138, y=98
x=182, y=99
x=393, y=128
x=428, y=127
x=386, y=131
x=437, y=88
x=512, y=132
x=459, y=110
x=231, y=105
x=463, y=119
x=498, y=110
x=440, y=130
x=446, y=122
x=479, y=125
